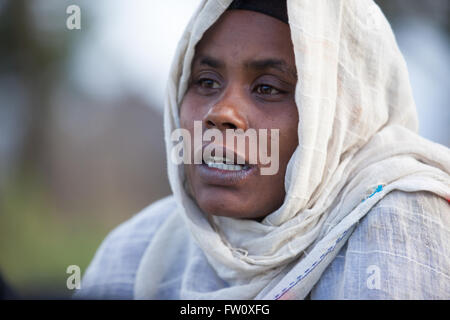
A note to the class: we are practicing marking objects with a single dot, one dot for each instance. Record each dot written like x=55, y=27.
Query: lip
x=237, y=158
x=220, y=177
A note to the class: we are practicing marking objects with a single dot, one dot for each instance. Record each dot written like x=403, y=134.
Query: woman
x=357, y=207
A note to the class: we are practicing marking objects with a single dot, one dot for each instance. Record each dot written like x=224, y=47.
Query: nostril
x=229, y=125
x=225, y=125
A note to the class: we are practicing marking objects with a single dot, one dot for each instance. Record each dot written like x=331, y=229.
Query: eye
x=267, y=90
x=208, y=83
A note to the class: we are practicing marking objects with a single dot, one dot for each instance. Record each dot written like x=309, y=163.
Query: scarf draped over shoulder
x=358, y=141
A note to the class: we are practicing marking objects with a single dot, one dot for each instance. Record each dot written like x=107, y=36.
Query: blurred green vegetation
x=37, y=243
x=72, y=166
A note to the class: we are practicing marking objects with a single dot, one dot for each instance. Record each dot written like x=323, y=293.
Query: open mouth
x=221, y=163
x=231, y=170
x=232, y=161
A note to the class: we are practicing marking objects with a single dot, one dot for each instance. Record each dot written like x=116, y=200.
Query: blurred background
x=81, y=136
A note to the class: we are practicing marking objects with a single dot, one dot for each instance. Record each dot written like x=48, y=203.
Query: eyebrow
x=211, y=62
x=263, y=64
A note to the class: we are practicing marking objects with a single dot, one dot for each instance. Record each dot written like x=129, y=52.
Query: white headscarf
x=357, y=130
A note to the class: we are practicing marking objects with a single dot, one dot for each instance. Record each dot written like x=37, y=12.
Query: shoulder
x=409, y=223
x=112, y=271
x=399, y=250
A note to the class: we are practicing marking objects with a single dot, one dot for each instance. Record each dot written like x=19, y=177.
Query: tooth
x=223, y=166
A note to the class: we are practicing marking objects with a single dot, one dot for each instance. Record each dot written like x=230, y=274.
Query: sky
x=134, y=41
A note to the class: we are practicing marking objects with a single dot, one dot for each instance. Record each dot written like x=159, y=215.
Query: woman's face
x=243, y=76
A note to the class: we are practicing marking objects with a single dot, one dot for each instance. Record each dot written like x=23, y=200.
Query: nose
x=227, y=113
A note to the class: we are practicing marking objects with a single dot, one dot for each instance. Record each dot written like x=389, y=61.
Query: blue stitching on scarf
x=300, y=277
x=378, y=189
x=311, y=268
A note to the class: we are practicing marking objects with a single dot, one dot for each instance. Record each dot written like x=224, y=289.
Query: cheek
x=288, y=137
x=291, y=125
x=186, y=115
x=291, y=137
x=191, y=110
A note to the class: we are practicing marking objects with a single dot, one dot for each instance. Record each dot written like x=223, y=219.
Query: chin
x=220, y=208
x=220, y=204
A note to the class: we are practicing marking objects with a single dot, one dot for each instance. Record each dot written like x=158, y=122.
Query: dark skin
x=243, y=76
